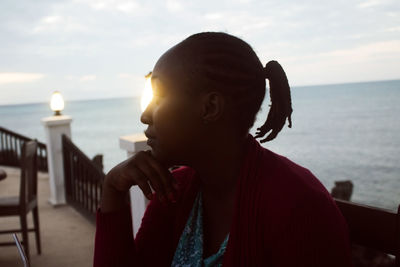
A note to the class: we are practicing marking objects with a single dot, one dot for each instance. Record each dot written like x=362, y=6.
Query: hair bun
x=281, y=102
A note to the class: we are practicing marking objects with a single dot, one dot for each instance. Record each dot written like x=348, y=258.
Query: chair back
x=373, y=227
x=28, y=184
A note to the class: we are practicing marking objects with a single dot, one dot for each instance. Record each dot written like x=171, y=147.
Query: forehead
x=173, y=67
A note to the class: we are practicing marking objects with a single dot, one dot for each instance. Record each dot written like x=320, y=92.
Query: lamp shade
x=57, y=102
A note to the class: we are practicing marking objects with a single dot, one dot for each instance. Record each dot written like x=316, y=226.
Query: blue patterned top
x=189, y=251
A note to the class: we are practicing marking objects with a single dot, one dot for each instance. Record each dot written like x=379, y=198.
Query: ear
x=213, y=104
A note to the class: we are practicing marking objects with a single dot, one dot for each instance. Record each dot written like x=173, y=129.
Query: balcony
x=67, y=236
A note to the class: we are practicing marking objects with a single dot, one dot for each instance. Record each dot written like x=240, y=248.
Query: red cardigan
x=283, y=217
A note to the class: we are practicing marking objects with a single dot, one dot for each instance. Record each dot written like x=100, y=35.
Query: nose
x=147, y=115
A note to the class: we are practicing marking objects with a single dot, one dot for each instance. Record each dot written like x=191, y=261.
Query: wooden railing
x=83, y=180
x=373, y=227
x=10, y=149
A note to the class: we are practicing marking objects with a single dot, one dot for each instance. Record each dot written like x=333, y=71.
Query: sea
x=340, y=132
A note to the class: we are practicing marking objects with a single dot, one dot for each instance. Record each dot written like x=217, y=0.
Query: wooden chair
x=27, y=199
x=373, y=227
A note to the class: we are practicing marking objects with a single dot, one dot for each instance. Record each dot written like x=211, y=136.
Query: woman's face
x=173, y=116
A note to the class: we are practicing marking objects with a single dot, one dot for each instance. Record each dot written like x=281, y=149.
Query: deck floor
x=67, y=237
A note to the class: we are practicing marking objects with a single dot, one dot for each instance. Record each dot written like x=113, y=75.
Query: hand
x=141, y=169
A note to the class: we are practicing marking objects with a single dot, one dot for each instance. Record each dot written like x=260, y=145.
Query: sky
x=89, y=49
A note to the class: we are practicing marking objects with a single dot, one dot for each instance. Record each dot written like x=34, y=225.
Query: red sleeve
x=316, y=235
x=114, y=244
x=154, y=240
x=154, y=243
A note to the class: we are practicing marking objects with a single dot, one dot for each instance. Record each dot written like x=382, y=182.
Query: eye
x=156, y=99
x=159, y=91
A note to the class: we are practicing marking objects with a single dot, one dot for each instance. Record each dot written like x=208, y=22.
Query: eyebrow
x=153, y=78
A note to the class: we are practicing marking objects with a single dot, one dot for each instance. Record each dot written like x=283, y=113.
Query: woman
x=234, y=203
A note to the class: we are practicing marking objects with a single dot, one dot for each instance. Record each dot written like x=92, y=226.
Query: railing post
x=133, y=144
x=55, y=127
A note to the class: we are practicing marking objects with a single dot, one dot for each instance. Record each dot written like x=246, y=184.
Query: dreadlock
x=222, y=62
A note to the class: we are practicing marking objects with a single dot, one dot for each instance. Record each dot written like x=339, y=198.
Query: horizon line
x=138, y=96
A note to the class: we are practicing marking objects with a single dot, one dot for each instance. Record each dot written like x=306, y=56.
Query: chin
x=162, y=158
x=166, y=159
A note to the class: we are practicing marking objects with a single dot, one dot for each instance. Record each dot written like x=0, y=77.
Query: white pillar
x=133, y=144
x=54, y=127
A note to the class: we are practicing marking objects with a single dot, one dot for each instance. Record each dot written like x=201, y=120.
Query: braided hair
x=222, y=62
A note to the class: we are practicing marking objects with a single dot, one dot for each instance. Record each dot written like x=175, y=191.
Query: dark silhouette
x=207, y=91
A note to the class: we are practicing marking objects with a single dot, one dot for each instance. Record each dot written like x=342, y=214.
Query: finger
x=152, y=175
x=165, y=177
x=157, y=174
x=140, y=179
x=144, y=186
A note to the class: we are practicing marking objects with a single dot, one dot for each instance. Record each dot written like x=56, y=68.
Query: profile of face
x=208, y=89
x=173, y=116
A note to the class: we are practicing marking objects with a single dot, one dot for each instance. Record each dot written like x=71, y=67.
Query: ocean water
x=340, y=132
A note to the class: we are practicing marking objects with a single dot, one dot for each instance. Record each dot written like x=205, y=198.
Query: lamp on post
x=133, y=144
x=55, y=126
x=57, y=103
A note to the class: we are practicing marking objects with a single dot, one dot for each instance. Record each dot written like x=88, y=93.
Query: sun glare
x=147, y=94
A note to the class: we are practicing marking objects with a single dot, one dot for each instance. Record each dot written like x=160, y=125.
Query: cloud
x=358, y=54
x=365, y=52
x=373, y=3
x=140, y=79
x=393, y=29
x=120, y=40
x=127, y=7
x=174, y=6
x=369, y=3
x=130, y=80
x=238, y=23
x=126, y=75
x=123, y=6
x=213, y=16
x=19, y=77
x=87, y=78
x=57, y=23
x=373, y=61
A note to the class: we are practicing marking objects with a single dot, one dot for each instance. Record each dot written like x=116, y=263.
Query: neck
x=219, y=166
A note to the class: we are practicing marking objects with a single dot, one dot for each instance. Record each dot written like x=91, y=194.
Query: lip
x=150, y=138
x=150, y=142
x=148, y=135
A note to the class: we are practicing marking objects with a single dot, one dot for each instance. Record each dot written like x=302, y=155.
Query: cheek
x=176, y=126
